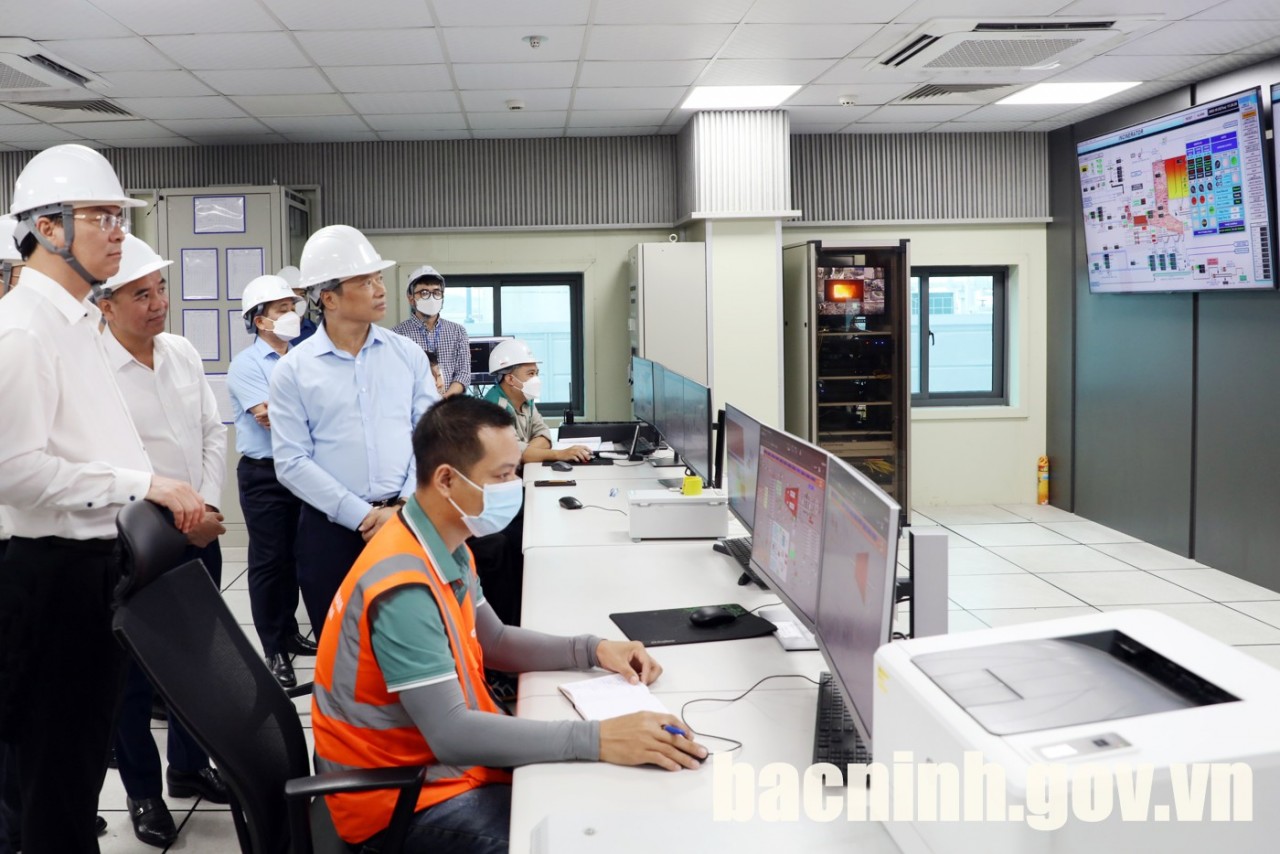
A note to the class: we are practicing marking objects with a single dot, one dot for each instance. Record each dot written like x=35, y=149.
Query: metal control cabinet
x=667, y=289
x=846, y=351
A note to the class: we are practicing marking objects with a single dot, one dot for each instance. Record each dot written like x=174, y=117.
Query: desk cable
x=598, y=507
x=736, y=744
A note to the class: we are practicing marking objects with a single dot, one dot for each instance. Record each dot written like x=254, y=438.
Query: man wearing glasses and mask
x=426, y=328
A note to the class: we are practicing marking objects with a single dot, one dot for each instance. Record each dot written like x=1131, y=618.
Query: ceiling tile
x=670, y=11
x=888, y=36
x=507, y=75
x=857, y=71
x=156, y=17
x=332, y=136
x=864, y=128
x=405, y=102
x=632, y=98
x=102, y=55
x=276, y=81
x=827, y=94
x=506, y=44
x=919, y=113
x=828, y=115
x=825, y=11
x=1199, y=37
x=416, y=121
x=616, y=118
x=391, y=78
x=315, y=124
x=817, y=128
x=181, y=108
x=638, y=130
x=1171, y=9
x=1119, y=68
x=34, y=133
x=1219, y=65
x=796, y=41
x=493, y=101
x=690, y=41
x=125, y=129
x=314, y=15
x=169, y=141
x=924, y=10
x=293, y=105
x=154, y=84
x=13, y=117
x=59, y=19
x=544, y=13
x=1016, y=112
x=763, y=72
x=513, y=133
x=415, y=46
x=1240, y=10
x=198, y=127
x=239, y=139
x=232, y=50
x=419, y=135
x=648, y=73
x=513, y=121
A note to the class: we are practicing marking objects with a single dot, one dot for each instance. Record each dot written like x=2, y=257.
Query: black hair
x=449, y=433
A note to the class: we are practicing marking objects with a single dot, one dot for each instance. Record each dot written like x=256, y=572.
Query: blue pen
x=675, y=730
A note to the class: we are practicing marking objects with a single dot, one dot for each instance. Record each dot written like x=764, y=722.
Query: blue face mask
x=502, y=501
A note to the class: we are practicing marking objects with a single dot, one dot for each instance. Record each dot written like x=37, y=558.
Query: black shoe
x=300, y=645
x=152, y=822
x=99, y=827
x=280, y=668
x=206, y=783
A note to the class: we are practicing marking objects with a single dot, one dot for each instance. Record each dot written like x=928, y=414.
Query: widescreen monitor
x=696, y=449
x=668, y=392
x=858, y=579
x=642, y=389
x=786, y=541
x=741, y=460
x=1179, y=203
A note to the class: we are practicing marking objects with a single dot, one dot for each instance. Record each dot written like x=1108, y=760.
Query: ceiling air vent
x=958, y=93
x=27, y=69
x=97, y=110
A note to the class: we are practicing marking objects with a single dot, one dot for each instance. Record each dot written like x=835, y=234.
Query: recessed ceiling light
x=1066, y=93
x=737, y=97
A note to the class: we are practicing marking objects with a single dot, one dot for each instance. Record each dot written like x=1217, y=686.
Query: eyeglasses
x=106, y=221
x=423, y=293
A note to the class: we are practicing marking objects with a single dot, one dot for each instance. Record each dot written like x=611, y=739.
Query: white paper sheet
x=200, y=327
x=218, y=382
x=243, y=266
x=219, y=214
x=240, y=338
x=591, y=443
x=199, y=274
x=609, y=697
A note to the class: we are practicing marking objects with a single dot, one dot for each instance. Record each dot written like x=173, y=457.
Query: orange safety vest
x=357, y=722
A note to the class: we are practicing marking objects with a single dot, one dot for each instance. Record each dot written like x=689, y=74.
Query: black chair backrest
x=148, y=544
x=182, y=634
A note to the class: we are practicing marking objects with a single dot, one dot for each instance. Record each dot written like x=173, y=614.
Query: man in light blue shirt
x=343, y=407
x=270, y=509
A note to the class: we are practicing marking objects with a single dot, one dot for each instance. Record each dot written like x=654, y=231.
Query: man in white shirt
x=69, y=458
x=162, y=379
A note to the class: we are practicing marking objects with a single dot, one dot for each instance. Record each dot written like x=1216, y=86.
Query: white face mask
x=430, y=306
x=287, y=327
x=532, y=387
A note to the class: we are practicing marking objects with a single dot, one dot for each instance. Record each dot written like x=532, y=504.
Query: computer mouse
x=710, y=616
x=568, y=502
x=561, y=465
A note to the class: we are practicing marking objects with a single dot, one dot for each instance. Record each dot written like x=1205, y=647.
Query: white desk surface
x=774, y=726
x=620, y=470
x=573, y=590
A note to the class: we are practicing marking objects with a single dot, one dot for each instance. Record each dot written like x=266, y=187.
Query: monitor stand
x=664, y=462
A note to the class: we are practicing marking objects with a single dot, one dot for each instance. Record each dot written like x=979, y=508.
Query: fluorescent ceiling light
x=737, y=97
x=1066, y=93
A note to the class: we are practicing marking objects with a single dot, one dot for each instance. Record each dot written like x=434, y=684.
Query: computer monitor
x=668, y=391
x=741, y=460
x=858, y=578
x=480, y=350
x=786, y=540
x=696, y=449
x=642, y=389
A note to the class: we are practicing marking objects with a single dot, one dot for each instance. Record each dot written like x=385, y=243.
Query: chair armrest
x=299, y=691
x=302, y=790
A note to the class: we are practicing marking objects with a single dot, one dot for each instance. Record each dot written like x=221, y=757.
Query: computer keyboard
x=594, y=461
x=835, y=740
x=739, y=549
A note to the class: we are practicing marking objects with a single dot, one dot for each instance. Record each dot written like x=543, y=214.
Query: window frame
x=574, y=281
x=999, y=394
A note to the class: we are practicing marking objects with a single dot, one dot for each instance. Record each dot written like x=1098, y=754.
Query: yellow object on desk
x=692, y=485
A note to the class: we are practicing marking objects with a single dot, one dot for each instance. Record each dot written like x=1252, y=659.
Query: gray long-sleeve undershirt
x=460, y=736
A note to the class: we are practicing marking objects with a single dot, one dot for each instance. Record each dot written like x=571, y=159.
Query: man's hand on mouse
x=580, y=453
x=639, y=739
x=630, y=659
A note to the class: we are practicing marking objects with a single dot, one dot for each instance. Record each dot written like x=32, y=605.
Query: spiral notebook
x=610, y=697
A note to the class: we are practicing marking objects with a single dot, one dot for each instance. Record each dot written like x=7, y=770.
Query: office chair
x=173, y=620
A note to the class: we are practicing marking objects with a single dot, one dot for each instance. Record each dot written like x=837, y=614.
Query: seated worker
x=516, y=385
x=400, y=673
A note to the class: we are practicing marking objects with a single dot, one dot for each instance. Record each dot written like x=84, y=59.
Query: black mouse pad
x=671, y=627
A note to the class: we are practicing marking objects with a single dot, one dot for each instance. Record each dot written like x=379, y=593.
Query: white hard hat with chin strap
x=137, y=259
x=57, y=181
x=263, y=291
x=10, y=257
x=335, y=253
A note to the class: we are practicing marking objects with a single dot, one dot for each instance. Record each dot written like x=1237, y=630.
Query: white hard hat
x=8, y=249
x=338, y=252
x=507, y=354
x=265, y=289
x=292, y=275
x=68, y=174
x=137, y=259
x=421, y=273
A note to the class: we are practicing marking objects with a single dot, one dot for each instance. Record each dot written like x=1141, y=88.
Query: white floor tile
x=1039, y=512
x=1019, y=534
x=237, y=581
x=206, y=832
x=1074, y=558
x=975, y=514
x=1269, y=653
x=1089, y=532
x=920, y=520
x=1219, y=622
x=963, y=621
x=996, y=617
x=1133, y=588
x=978, y=562
x=1268, y=612
x=1217, y=585
x=238, y=602
x=979, y=592
x=1147, y=556
x=955, y=541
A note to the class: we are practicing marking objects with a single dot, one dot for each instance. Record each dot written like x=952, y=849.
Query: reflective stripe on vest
x=358, y=723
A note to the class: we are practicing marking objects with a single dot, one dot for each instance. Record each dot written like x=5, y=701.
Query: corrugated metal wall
x=735, y=161
x=437, y=184
x=920, y=177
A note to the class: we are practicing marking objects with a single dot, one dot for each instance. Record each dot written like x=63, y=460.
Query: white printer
x=1123, y=688
x=661, y=514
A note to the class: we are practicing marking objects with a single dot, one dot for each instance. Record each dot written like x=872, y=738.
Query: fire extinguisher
x=1042, y=480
